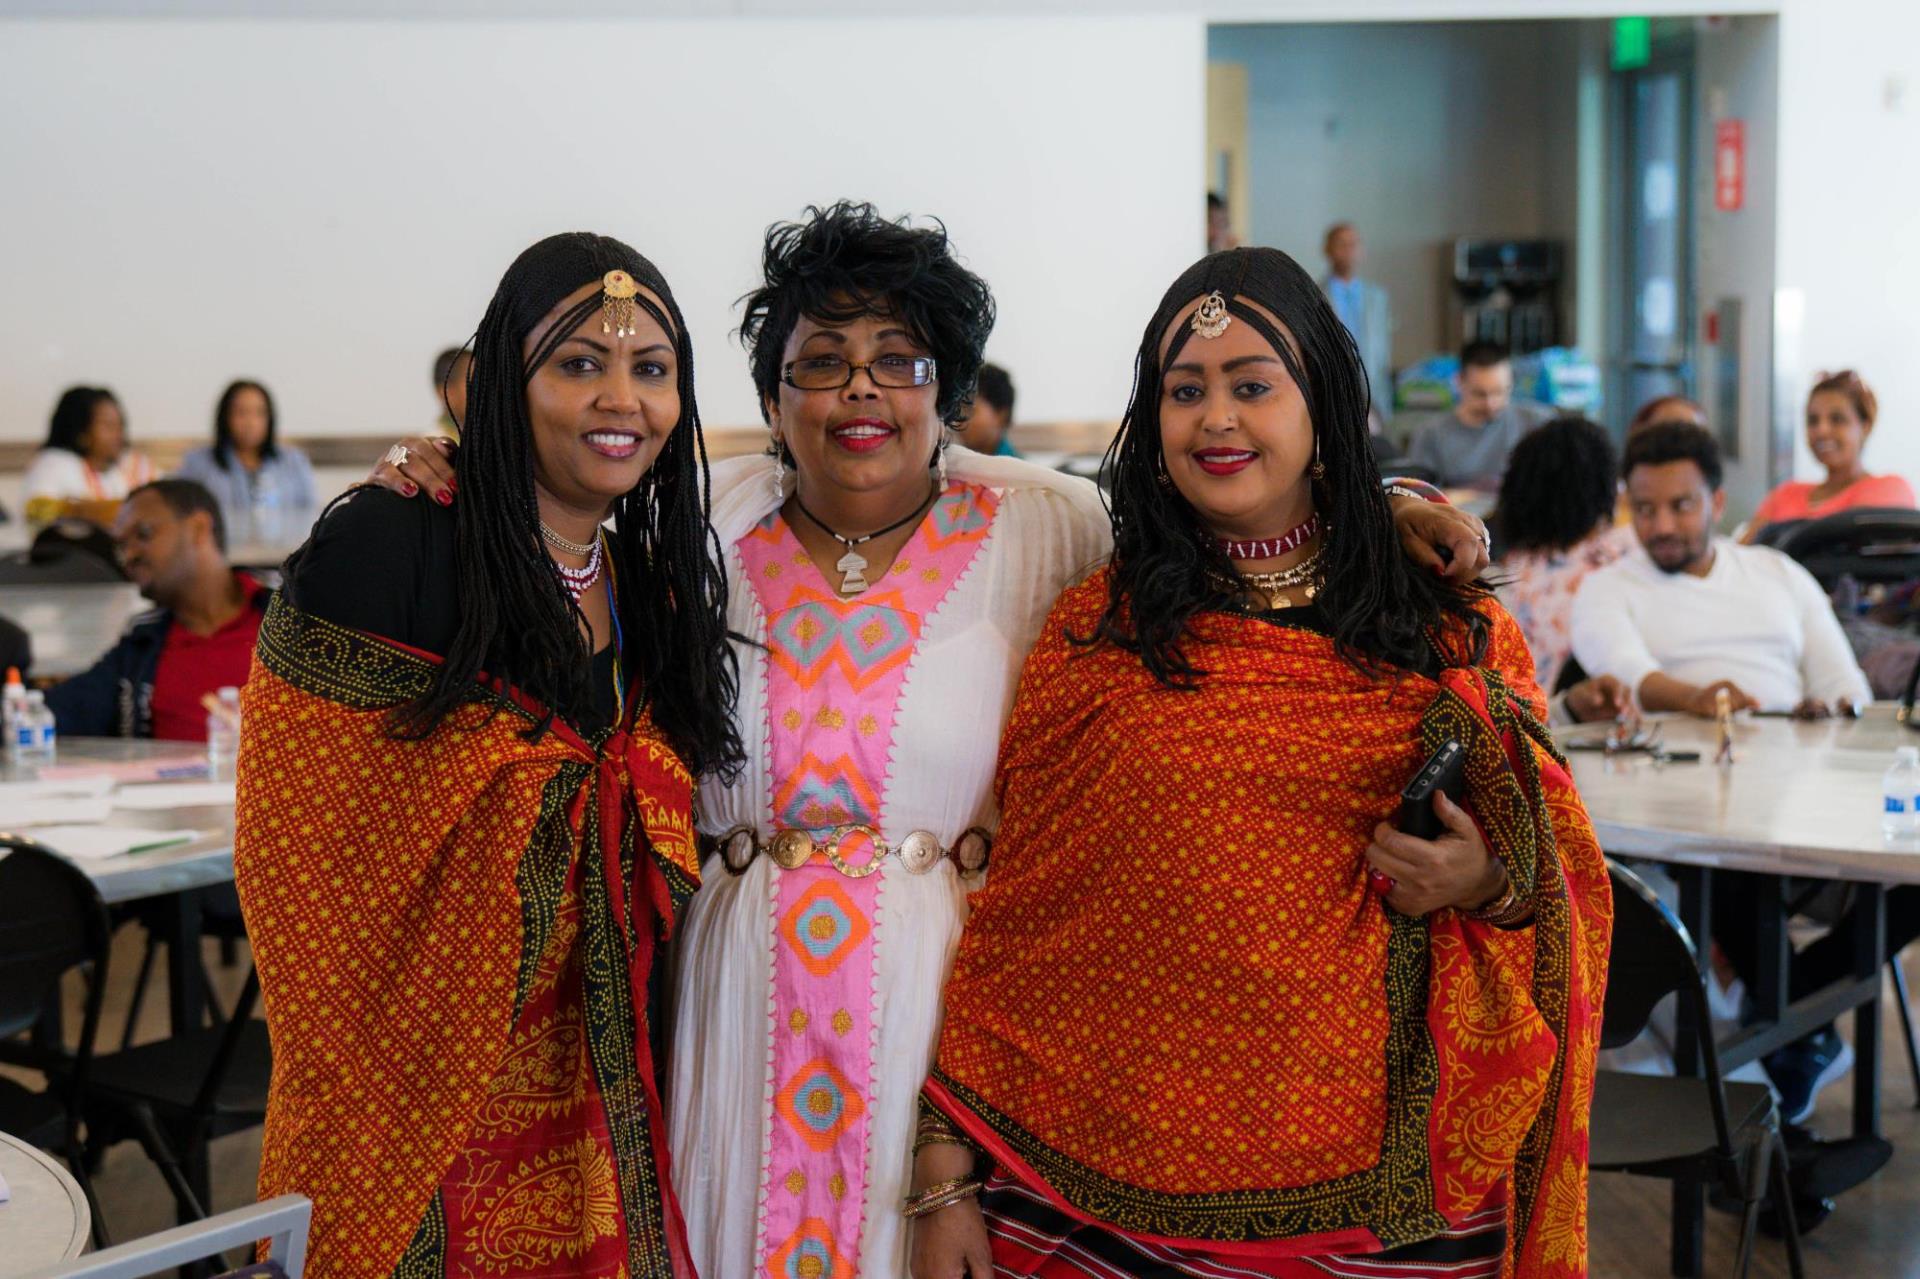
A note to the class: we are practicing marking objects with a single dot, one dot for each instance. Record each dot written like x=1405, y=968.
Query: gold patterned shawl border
x=426, y=1254
x=615, y=1032
x=1393, y=1198
x=1513, y=811
x=348, y=667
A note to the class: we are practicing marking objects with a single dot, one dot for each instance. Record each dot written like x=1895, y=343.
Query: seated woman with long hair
x=86, y=459
x=1211, y=1014
x=263, y=484
x=465, y=805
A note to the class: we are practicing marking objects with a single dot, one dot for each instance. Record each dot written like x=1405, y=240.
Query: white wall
x=325, y=204
x=1850, y=207
x=1418, y=134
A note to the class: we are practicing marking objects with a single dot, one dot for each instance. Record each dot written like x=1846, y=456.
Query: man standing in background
x=1365, y=309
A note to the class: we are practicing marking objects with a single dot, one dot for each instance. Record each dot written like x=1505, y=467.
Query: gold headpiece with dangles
x=617, y=291
x=1211, y=320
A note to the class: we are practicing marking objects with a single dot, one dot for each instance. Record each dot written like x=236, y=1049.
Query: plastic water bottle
x=1900, y=795
x=33, y=730
x=13, y=705
x=223, y=735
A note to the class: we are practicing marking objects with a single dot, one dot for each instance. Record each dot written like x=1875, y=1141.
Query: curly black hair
x=1560, y=482
x=1383, y=613
x=844, y=261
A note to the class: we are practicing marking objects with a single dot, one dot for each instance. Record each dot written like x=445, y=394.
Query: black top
x=382, y=563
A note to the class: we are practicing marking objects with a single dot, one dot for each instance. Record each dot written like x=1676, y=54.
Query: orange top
x=1178, y=1012
x=1794, y=499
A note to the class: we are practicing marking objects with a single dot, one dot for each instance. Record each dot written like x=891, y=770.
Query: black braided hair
x=516, y=620
x=1384, y=613
x=844, y=261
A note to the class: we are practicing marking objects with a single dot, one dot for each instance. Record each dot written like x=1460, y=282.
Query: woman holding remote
x=1211, y=1013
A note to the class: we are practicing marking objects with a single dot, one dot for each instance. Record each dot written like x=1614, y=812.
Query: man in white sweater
x=1687, y=615
x=1690, y=614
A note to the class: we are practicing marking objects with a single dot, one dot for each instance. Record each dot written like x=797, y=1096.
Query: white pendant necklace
x=853, y=565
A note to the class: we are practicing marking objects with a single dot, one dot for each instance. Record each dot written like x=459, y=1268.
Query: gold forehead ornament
x=1211, y=319
x=617, y=291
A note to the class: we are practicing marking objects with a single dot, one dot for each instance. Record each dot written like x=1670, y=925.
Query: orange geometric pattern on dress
x=819, y=1103
x=380, y=883
x=1178, y=1010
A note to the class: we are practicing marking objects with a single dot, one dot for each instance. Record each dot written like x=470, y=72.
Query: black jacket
x=114, y=696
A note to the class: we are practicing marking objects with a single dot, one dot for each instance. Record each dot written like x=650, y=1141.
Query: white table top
x=204, y=862
x=1800, y=798
x=46, y=1220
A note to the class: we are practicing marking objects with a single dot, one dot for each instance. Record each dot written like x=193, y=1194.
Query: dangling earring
x=940, y=465
x=1317, y=471
x=779, y=471
x=1160, y=472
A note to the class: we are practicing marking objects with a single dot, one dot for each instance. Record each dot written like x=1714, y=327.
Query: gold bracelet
x=940, y=1195
x=1506, y=909
x=924, y=1139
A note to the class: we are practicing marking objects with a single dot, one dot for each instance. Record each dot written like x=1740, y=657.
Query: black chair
x=51, y=922
x=1778, y=531
x=176, y=1095
x=220, y=918
x=1703, y=1130
x=64, y=568
x=1871, y=545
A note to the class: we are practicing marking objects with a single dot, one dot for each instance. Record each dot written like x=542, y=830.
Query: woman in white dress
x=887, y=588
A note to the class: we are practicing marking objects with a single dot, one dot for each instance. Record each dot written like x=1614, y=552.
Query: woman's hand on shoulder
x=1457, y=870
x=1441, y=538
x=418, y=464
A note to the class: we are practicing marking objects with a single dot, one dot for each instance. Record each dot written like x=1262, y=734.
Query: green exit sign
x=1632, y=43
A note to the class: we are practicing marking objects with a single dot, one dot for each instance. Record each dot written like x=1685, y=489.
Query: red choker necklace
x=1293, y=539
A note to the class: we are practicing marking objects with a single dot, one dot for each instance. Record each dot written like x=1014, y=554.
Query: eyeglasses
x=830, y=372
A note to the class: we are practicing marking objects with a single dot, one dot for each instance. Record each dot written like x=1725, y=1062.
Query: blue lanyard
x=619, y=640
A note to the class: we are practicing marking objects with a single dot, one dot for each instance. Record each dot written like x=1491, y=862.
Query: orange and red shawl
x=390, y=898
x=1178, y=1013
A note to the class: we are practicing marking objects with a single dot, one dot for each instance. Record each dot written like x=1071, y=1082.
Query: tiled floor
x=1874, y=1235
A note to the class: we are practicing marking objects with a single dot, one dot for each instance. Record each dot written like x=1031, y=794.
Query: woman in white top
x=887, y=588
x=86, y=458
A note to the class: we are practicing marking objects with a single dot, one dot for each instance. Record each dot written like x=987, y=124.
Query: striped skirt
x=1034, y=1240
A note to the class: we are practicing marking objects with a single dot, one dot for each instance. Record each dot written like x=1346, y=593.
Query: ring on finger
x=396, y=456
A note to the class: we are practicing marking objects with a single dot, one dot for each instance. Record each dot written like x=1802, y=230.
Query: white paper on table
x=42, y=788
x=174, y=795
x=53, y=810
x=95, y=842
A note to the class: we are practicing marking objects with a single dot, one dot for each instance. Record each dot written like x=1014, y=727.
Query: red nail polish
x=409, y=489
x=444, y=497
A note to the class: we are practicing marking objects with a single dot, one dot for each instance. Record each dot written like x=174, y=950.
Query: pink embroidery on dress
x=835, y=671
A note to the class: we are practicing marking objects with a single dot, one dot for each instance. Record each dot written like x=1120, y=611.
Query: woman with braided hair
x=1211, y=1015
x=465, y=804
x=886, y=587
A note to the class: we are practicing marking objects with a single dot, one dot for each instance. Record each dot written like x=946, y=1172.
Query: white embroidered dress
x=807, y=1003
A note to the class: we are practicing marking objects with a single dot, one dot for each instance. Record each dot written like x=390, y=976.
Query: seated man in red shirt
x=173, y=546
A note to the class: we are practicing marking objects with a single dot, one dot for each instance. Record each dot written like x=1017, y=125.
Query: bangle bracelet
x=925, y=1139
x=940, y=1195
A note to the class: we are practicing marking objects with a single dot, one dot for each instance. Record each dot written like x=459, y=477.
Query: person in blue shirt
x=1365, y=309
x=989, y=424
x=265, y=488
